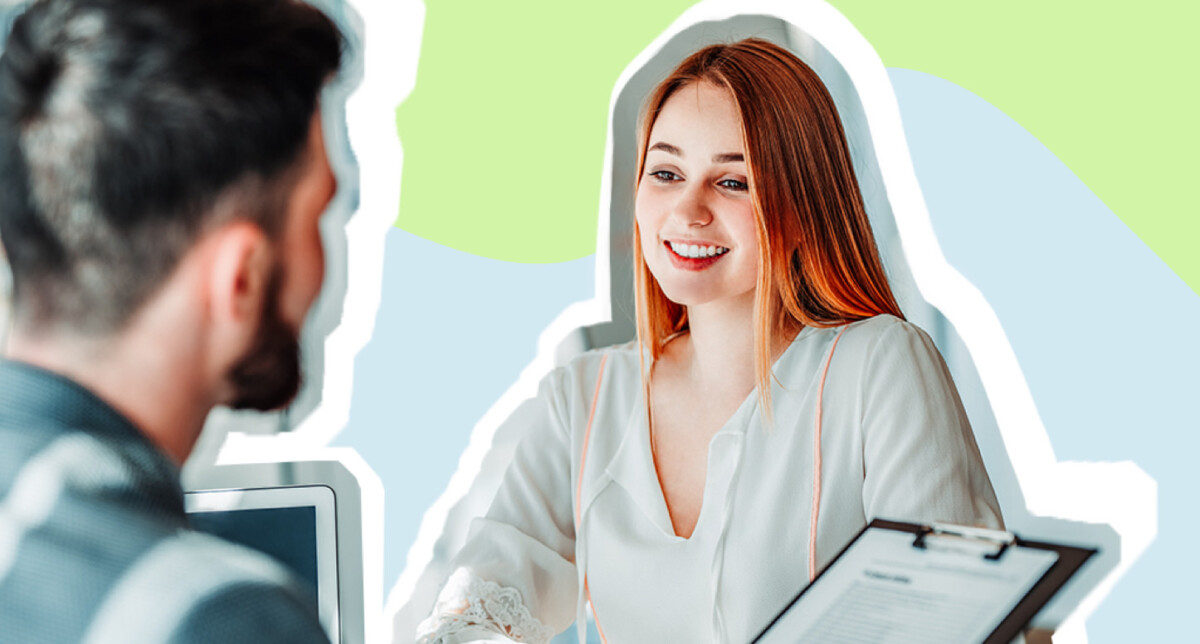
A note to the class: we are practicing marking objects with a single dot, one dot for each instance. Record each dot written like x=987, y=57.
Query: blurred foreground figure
x=162, y=175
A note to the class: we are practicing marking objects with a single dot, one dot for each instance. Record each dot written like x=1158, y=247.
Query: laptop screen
x=287, y=534
x=295, y=525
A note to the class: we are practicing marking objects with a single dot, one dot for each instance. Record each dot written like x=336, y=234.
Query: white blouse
x=895, y=443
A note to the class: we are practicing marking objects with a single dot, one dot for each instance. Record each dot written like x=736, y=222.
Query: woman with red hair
x=689, y=484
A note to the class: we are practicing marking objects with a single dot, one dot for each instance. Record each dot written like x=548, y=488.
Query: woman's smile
x=695, y=256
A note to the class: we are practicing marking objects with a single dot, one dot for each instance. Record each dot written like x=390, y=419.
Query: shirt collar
x=632, y=467
x=39, y=400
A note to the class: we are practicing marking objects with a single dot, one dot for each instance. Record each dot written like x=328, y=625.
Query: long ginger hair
x=818, y=264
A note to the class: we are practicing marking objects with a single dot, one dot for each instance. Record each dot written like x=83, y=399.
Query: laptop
x=295, y=525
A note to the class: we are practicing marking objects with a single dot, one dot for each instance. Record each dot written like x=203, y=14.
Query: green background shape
x=504, y=133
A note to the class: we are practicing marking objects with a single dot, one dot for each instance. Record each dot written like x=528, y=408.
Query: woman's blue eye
x=734, y=184
x=664, y=176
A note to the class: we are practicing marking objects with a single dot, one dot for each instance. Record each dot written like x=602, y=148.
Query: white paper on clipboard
x=883, y=590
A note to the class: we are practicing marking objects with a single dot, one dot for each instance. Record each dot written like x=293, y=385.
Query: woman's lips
x=693, y=263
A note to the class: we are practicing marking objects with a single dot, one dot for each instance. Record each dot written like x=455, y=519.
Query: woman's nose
x=692, y=207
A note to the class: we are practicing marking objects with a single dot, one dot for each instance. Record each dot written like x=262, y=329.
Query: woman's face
x=693, y=208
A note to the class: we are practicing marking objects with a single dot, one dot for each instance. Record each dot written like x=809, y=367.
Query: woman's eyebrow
x=725, y=157
x=668, y=148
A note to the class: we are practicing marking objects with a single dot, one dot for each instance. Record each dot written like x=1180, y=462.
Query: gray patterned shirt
x=94, y=542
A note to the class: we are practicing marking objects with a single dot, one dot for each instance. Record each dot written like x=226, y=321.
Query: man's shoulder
x=203, y=589
x=101, y=552
x=103, y=573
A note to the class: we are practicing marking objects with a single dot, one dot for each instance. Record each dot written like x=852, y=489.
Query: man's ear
x=239, y=274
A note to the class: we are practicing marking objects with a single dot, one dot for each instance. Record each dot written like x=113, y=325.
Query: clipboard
x=902, y=582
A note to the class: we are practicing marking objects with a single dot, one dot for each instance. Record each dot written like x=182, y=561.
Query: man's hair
x=128, y=128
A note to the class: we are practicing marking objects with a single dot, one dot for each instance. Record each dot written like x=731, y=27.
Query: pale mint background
x=1104, y=332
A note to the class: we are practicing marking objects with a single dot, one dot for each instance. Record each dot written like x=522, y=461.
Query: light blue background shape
x=454, y=331
x=1103, y=329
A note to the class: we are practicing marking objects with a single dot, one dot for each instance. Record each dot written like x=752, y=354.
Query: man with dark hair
x=162, y=174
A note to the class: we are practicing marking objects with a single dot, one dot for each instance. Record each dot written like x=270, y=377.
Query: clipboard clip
x=969, y=539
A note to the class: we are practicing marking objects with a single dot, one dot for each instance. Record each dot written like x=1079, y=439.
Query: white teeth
x=694, y=251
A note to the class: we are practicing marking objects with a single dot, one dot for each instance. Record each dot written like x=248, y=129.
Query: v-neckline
x=633, y=464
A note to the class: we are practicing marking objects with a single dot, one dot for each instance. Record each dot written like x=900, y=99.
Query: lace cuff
x=468, y=601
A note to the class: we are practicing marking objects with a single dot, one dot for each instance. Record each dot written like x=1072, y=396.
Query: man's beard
x=268, y=376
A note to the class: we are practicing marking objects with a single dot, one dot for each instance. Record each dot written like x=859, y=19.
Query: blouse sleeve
x=920, y=459
x=515, y=575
